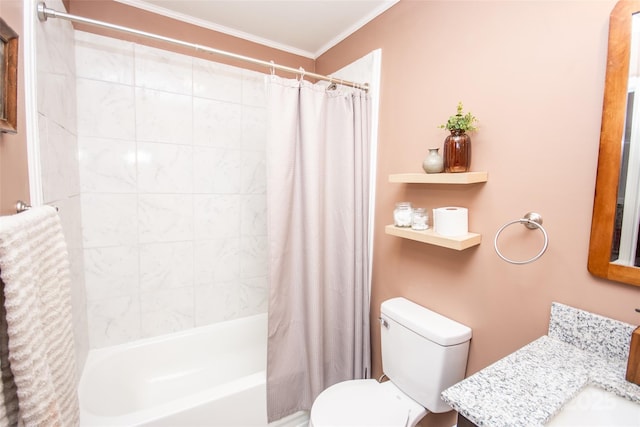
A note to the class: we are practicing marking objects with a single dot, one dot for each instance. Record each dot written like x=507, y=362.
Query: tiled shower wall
x=56, y=119
x=172, y=181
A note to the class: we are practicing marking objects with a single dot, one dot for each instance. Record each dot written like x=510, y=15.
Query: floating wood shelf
x=458, y=243
x=429, y=236
x=439, y=178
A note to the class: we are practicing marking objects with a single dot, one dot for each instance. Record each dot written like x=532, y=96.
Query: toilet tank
x=423, y=352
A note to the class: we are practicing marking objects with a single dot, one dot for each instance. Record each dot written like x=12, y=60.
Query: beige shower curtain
x=318, y=164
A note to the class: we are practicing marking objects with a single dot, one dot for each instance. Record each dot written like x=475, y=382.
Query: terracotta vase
x=457, y=152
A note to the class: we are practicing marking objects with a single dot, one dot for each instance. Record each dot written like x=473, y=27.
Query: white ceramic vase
x=434, y=162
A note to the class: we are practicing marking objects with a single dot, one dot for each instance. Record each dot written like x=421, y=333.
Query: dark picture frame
x=8, y=79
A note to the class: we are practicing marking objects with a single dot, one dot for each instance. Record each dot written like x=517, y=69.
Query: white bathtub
x=208, y=376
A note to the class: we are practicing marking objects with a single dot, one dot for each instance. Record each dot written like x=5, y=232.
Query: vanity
x=535, y=383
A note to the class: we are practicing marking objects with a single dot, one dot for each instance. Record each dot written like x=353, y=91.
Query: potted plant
x=457, y=146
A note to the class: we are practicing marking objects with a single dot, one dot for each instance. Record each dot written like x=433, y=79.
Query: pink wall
x=533, y=73
x=14, y=175
x=117, y=13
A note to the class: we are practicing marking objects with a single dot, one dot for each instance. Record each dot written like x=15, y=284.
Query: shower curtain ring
x=273, y=68
x=302, y=73
x=332, y=84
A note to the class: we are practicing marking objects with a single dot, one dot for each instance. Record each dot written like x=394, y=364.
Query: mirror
x=613, y=247
x=8, y=78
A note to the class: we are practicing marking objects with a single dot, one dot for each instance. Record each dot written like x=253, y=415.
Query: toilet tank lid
x=431, y=325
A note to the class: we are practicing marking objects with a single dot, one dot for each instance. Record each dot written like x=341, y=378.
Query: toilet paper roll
x=451, y=221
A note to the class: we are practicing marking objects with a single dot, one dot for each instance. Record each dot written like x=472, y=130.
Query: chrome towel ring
x=532, y=221
x=22, y=206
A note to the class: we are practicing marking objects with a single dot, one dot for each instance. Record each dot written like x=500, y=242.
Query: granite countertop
x=531, y=385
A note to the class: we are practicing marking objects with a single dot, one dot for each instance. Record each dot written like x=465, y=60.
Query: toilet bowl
x=423, y=353
x=365, y=403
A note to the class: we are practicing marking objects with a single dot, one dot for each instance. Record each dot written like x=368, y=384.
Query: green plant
x=461, y=122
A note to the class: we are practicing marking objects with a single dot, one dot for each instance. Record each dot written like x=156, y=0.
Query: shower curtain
x=318, y=162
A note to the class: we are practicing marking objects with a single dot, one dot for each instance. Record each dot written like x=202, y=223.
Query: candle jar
x=402, y=214
x=419, y=219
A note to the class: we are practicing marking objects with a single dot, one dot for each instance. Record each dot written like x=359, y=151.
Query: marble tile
x=109, y=220
x=217, y=123
x=253, y=88
x=163, y=117
x=253, y=257
x=165, y=217
x=172, y=171
x=254, y=216
x=165, y=168
x=105, y=110
x=253, y=173
x=107, y=165
x=217, y=170
x=163, y=70
x=104, y=58
x=56, y=98
x=111, y=272
x=59, y=163
x=217, y=81
x=54, y=44
x=69, y=211
x=166, y=266
x=216, y=303
x=56, y=104
x=254, y=128
x=216, y=261
x=113, y=321
x=79, y=307
x=253, y=296
x=76, y=271
x=167, y=311
x=216, y=216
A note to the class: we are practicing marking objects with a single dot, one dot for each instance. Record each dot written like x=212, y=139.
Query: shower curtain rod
x=44, y=12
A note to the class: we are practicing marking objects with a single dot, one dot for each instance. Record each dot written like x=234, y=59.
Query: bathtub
x=207, y=376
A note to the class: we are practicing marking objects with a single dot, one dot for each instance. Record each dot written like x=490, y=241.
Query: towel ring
x=22, y=206
x=532, y=221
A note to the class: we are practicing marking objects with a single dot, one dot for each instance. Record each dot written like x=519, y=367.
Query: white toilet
x=423, y=353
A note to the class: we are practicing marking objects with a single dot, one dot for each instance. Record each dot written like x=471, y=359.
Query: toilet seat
x=365, y=403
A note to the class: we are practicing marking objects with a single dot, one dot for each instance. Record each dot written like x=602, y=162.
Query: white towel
x=34, y=268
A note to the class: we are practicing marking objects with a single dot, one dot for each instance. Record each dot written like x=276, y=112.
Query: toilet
x=423, y=353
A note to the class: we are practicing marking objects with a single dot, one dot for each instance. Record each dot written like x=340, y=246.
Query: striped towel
x=38, y=364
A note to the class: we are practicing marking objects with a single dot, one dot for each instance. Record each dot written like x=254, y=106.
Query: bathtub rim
x=145, y=415
x=106, y=351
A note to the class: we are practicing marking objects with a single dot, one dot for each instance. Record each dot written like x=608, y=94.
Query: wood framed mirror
x=8, y=78
x=617, y=175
